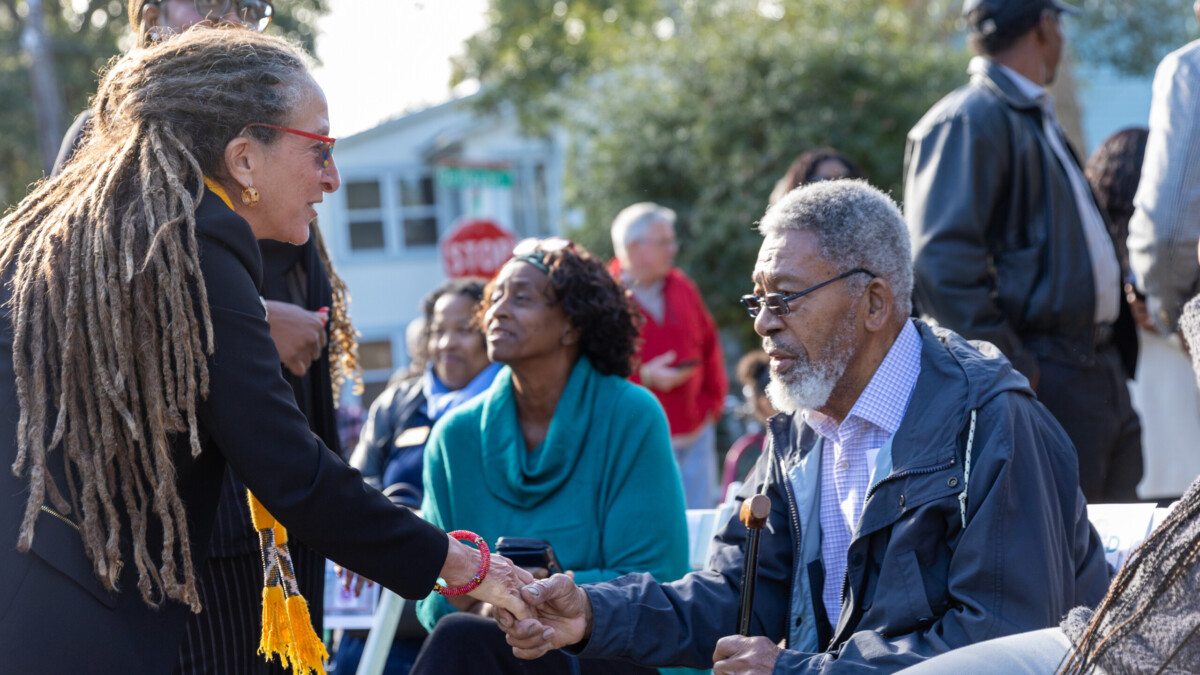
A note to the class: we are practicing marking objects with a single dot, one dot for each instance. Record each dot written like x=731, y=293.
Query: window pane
x=416, y=191
x=375, y=355
x=363, y=195
x=366, y=235
x=420, y=231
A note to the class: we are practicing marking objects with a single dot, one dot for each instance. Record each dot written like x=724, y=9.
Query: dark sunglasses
x=534, y=250
x=780, y=305
x=254, y=14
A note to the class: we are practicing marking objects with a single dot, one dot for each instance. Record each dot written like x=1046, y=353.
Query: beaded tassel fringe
x=286, y=625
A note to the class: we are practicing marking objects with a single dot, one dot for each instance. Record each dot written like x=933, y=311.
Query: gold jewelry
x=250, y=196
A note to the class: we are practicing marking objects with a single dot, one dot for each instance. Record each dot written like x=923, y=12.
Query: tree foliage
x=1130, y=36
x=85, y=35
x=532, y=47
x=705, y=112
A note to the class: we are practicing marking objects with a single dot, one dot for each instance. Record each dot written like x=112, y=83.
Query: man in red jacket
x=680, y=353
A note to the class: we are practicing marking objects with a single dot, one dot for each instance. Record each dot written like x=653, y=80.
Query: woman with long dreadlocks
x=306, y=309
x=140, y=362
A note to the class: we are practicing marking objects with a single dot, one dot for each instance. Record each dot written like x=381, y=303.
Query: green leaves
x=1130, y=36
x=707, y=121
x=85, y=35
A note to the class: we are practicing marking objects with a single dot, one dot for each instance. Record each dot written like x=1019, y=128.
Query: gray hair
x=633, y=222
x=857, y=226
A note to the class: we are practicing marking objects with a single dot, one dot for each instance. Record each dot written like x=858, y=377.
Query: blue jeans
x=698, y=468
x=1038, y=652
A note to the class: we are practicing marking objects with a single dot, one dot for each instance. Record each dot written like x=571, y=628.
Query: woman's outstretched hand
x=502, y=585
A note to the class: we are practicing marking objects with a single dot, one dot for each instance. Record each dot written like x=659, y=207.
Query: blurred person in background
x=1164, y=392
x=562, y=447
x=1165, y=226
x=680, y=352
x=456, y=370
x=453, y=369
x=1163, y=234
x=754, y=373
x=815, y=165
x=1011, y=247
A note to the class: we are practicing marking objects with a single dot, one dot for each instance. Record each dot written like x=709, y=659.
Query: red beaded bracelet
x=463, y=535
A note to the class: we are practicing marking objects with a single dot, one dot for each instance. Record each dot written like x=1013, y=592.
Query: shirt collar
x=1028, y=87
x=883, y=402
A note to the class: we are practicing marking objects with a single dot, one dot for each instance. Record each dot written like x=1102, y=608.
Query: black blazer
x=54, y=614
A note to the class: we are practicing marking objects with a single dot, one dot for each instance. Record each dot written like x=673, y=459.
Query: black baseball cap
x=999, y=14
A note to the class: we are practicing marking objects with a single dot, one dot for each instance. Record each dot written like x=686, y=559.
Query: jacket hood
x=987, y=371
x=957, y=376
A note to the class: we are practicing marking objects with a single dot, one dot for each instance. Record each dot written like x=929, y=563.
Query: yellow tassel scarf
x=286, y=625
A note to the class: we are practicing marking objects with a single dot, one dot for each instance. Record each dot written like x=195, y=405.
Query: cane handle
x=755, y=511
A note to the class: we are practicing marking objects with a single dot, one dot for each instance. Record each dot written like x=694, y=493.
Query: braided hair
x=108, y=307
x=1158, y=580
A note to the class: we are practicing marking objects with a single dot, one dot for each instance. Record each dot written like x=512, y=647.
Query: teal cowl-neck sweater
x=602, y=488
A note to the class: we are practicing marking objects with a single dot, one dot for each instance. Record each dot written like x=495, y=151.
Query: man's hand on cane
x=739, y=654
x=563, y=617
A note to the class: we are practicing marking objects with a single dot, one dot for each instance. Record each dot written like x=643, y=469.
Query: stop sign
x=476, y=247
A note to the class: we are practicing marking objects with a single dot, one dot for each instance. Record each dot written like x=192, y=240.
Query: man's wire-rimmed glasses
x=780, y=305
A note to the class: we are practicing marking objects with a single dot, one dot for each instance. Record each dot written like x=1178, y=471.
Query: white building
x=404, y=185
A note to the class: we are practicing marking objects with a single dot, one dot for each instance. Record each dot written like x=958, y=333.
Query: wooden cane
x=754, y=516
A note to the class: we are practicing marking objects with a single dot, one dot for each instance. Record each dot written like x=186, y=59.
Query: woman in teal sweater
x=562, y=447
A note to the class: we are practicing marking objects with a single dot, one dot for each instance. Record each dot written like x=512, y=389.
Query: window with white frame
x=406, y=209
x=364, y=204
x=375, y=359
x=418, y=210
x=392, y=212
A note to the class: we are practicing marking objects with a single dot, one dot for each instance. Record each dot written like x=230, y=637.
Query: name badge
x=412, y=436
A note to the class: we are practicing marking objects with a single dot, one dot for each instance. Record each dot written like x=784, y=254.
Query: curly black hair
x=1113, y=172
x=597, y=305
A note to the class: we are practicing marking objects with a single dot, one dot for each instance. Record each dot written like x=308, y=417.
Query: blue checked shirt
x=848, y=453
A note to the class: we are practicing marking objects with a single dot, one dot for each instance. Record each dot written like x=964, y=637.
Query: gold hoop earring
x=250, y=196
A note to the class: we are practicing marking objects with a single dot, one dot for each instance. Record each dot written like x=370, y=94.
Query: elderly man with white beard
x=921, y=498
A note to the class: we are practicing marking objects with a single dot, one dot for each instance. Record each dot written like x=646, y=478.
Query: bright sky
x=382, y=58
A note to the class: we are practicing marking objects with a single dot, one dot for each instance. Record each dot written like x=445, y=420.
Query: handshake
x=555, y=612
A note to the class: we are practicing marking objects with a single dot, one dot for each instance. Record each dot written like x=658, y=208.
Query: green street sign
x=473, y=176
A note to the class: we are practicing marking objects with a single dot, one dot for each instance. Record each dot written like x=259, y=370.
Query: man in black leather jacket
x=1010, y=247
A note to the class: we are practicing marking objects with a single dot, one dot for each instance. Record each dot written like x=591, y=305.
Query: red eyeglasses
x=307, y=134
